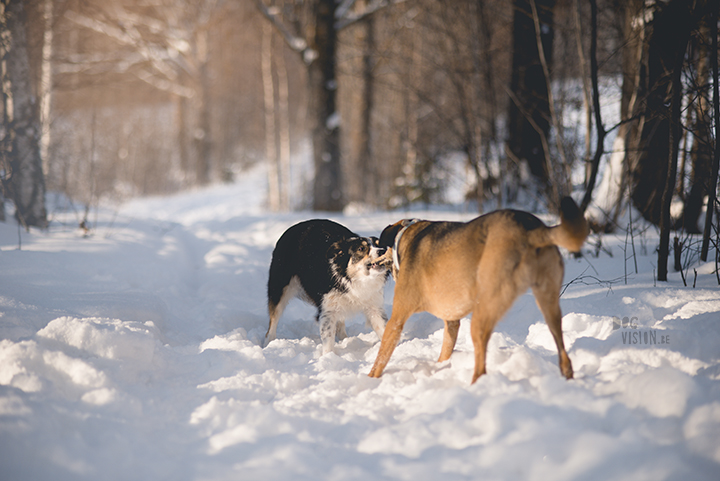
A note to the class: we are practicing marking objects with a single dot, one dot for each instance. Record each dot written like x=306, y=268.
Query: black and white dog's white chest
x=337, y=271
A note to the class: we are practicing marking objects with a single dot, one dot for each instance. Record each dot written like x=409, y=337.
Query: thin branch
x=600, y=146
x=592, y=280
x=294, y=41
x=347, y=17
x=130, y=37
x=158, y=57
x=165, y=85
x=716, y=158
x=586, y=88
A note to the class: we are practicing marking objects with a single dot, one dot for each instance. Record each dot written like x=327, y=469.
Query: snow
x=135, y=353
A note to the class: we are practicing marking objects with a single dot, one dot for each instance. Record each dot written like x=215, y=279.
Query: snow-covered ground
x=135, y=354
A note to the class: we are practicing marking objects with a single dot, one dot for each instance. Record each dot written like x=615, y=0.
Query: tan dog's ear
x=387, y=238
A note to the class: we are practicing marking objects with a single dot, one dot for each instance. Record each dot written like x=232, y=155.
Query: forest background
x=366, y=103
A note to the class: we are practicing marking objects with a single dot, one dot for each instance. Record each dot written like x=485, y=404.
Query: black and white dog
x=334, y=269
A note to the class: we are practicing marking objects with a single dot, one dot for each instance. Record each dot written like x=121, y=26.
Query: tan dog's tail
x=570, y=233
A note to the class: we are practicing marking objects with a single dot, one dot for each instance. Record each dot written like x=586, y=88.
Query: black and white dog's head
x=359, y=258
x=333, y=268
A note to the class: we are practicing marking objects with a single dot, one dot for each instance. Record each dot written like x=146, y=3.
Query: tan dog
x=450, y=269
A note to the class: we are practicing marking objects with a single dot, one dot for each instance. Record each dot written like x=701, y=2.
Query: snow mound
x=136, y=353
x=107, y=338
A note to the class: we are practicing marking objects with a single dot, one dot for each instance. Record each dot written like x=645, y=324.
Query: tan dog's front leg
x=449, y=338
x=390, y=339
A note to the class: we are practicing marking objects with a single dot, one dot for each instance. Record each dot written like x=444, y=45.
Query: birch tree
x=277, y=121
x=23, y=178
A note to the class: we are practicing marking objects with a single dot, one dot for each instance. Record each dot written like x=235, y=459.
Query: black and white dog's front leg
x=328, y=327
x=377, y=319
x=340, y=329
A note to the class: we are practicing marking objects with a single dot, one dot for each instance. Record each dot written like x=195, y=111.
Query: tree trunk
x=46, y=82
x=529, y=110
x=599, y=149
x=610, y=195
x=632, y=53
x=682, y=22
x=490, y=99
x=712, y=192
x=412, y=105
x=273, y=171
x=283, y=129
x=27, y=182
x=181, y=119
x=702, y=152
x=328, y=187
x=668, y=39
x=368, y=180
x=586, y=90
x=202, y=137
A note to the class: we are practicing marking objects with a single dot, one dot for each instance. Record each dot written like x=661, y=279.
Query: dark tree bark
x=26, y=182
x=328, y=187
x=202, y=138
x=599, y=149
x=668, y=39
x=317, y=43
x=701, y=153
x=716, y=113
x=529, y=109
x=682, y=20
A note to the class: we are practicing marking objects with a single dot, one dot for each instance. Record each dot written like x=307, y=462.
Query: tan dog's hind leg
x=493, y=301
x=449, y=338
x=546, y=289
x=550, y=307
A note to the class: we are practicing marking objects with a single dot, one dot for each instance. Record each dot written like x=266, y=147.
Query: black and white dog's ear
x=335, y=251
x=343, y=248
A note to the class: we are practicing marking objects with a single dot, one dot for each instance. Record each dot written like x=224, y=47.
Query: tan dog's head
x=390, y=239
x=388, y=235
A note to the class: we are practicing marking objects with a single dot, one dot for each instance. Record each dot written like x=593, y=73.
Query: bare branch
x=165, y=85
x=295, y=42
x=347, y=17
x=130, y=37
x=600, y=146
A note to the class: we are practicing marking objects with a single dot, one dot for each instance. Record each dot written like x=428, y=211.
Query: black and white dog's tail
x=279, y=276
x=281, y=286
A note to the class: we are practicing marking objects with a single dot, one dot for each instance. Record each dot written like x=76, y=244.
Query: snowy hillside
x=134, y=354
